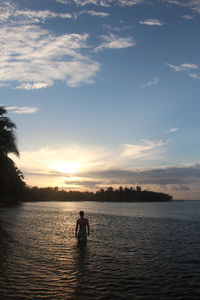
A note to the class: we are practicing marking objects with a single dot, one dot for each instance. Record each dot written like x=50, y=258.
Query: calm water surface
x=135, y=251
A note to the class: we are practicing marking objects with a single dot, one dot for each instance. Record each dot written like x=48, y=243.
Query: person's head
x=81, y=213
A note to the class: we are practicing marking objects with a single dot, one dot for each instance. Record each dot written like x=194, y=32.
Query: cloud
x=195, y=75
x=183, y=67
x=6, y=10
x=38, y=16
x=113, y=41
x=187, y=17
x=105, y=3
x=194, y=5
x=111, y=28
x=142, y=151
x=22, y=109
x=154, y=81
x=91, y=184
x=181, y=188
x=186, y=67
x=172, y=130
x=35, y=86
x=152, y=22
x=10, y=12
x=33, y=58
x=92, y=13
x=97, y=13
x=160, y=176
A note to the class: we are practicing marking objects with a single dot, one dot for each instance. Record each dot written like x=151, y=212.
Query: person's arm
x=88, y=227
x=76, y=229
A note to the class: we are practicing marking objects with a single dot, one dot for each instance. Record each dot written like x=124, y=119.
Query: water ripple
x=127, y=257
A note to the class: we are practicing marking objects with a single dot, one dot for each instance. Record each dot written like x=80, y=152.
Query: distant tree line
x=130, y=195
x=54, y=194
x=122, y=194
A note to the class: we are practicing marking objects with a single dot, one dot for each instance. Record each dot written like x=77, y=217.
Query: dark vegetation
x=14, y=189
x=109, y=195
x=11, y=178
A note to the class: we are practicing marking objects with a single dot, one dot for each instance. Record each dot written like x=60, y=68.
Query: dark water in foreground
x=135, y=251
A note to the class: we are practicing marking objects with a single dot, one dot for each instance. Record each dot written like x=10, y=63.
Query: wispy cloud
x=172, y=130
x=39, y=16
x=152, y=22
x=154, y=81
x=183, y=67
x=187, y=17
x=194, y=5
x=113, y=41
x=105, y=3
x=116, y=28
x=180, y=188
x=145, y=150
x=22, y=109
x=34, y=86
x=6, y=10
x=187, y=68
x=34, y=58
x=10, y=12
x=91, y=13
x=195, y=75
x=97, y=13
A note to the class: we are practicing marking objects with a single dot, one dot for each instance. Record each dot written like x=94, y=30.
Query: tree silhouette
x=11, y=178
x=138, y=188
x=7, y=135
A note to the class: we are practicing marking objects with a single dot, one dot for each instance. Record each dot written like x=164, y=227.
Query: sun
x=70, y=167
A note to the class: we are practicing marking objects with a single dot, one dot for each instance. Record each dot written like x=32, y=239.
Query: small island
x=121, y=194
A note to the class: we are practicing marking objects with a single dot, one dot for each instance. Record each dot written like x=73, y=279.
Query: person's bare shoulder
x=85, y=220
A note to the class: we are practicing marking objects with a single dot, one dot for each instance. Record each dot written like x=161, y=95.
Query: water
x=135, y=251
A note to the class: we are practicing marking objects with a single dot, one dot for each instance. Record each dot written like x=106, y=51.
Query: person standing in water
x=82, y=228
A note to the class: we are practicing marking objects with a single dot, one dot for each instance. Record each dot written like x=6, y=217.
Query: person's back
x=82, y=222
x=82, y=227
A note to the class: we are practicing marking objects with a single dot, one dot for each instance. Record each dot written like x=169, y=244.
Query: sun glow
x=69, y=167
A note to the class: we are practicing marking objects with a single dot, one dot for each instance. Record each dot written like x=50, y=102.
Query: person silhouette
x=82, y=228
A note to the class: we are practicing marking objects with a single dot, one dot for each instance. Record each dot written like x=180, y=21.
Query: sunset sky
x=104, y=92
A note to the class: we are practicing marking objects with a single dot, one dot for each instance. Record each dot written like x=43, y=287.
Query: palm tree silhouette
x=7, y=135
x=11, y=178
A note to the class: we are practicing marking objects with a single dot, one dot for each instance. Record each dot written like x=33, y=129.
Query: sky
x=104, y=92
